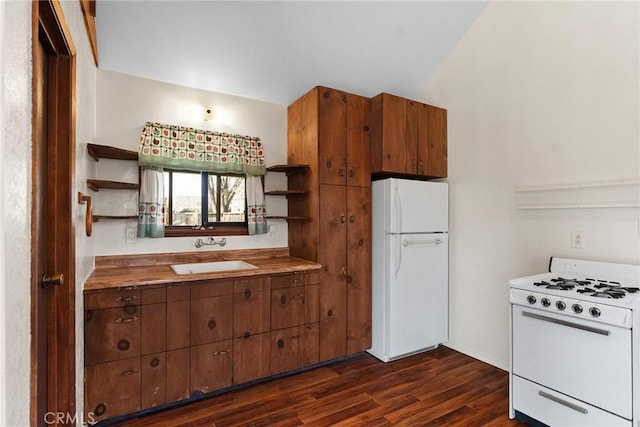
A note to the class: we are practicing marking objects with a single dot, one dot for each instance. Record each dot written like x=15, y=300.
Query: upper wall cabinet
x=407, y=138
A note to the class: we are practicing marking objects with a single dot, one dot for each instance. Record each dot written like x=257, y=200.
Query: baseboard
x=500, y=364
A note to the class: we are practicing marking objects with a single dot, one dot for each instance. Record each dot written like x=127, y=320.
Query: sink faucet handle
x=222, y=241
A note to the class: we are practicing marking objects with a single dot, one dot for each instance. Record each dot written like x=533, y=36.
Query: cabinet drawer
x=153, y=294
x=288, y=280
x=112, y=389
x=241, y=286
x=111, y=298
x=287, y=307
x=178, y=292
x=211, y=289
x=111, y=334
x=211, y=319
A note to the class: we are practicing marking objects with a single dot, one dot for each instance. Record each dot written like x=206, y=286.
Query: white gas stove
x=573, y=357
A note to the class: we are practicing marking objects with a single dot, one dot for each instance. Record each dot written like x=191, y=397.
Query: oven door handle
x=565, y=323
x=563, y=402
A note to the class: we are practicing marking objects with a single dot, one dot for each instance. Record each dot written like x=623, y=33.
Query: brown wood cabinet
x=329, y=130
x=156, y=345
x=407, y=138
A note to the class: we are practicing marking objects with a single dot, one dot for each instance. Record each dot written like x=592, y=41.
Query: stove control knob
x=595, y=311
x=545, y=302
x=560, y=305
x=531, y=299
x=577, y=308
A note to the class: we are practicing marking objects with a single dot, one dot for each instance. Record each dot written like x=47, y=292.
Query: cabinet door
x=389, y=134
x=359, y=269
x=332, y=136
x=286, y=349
x=413, y=140
x=211, y=319
x=251, y=312
x=211, y=366
x=311, y=303
x=422, y=138
x=153, y=370
x=112, y=389
x=287, y=307
x=311, y=344
x=332, y=256
x=178, y=316
x=153, y=328
x=251, y=357
x=437, y=137
x=111, y=334
x=358, y=141
x=178, y=374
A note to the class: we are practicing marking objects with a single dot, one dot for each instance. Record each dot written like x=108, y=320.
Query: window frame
x=205, y=228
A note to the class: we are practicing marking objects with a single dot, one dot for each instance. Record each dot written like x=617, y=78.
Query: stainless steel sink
x=211, y=267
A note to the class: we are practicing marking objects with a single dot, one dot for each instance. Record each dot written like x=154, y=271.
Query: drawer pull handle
x=123, y=345
x=281, y=343
x=298, y=297
x=129, y=372
x=222, y=353
x=351, y=219
x=563, y=402
x=566, y=323
x=127, y=299
x=127, y=320
x=247, y=293
x=341, y=172
x=100, y=409
x=294, y=281
x=155, y=362
x=351, y=173
x=283, y=300
x=211, y=324
x=295, y=337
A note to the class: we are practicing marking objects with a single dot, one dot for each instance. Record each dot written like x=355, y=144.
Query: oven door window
x=583, y=359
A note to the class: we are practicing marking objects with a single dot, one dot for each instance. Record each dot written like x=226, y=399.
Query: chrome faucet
x=211, y=241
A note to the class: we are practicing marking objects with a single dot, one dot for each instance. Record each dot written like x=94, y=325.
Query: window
x=189, y=194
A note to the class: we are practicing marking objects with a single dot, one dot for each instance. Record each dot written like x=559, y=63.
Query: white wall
x=126, y=103
x=538, y=93
x=15, y=211
x=15, y=199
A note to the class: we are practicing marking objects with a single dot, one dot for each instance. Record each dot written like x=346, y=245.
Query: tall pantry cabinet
x=329, y=130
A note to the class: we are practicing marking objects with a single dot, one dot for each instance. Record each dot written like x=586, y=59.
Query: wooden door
x=178, y=372
x=359, y=269
x=332, y=136
x=389, y=134
x=358, y=142
x=437, y=137
x=153, y=381
x=53, y=235
x=332, y=256
x=287, y=307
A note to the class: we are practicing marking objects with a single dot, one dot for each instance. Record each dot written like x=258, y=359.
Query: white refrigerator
x=410, y=298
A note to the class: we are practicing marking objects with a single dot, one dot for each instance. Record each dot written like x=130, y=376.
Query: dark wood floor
x=440, y=387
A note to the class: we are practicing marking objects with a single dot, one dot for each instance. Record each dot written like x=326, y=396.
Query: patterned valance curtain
x=184, y=148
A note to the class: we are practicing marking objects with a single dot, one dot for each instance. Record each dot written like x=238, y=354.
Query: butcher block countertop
x=153, y=269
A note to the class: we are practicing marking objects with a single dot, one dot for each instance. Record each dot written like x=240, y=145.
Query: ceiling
x=276, y=51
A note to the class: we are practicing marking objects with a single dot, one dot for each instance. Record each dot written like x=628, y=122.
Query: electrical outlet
x=577, y=239
x=131, y=235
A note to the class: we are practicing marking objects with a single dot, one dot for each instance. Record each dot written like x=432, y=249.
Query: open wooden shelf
x=288, y=169
x=105, y=152
x=287, y=193
x=96, y=184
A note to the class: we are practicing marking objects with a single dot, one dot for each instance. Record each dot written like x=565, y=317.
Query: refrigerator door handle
x=398, y=204
x=398, y=257
x=436, y=241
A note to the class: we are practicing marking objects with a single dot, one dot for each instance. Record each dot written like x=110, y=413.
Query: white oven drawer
x=556, y=409
x=583, y=359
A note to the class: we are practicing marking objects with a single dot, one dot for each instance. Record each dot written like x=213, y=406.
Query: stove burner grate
x=603, y=288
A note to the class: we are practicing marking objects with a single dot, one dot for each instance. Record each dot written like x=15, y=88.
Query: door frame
x=48, y=21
